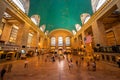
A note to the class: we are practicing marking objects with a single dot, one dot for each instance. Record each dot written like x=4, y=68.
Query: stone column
x=37, y=39
x=20, y=34
x=64, y=42
x=96, y=33
x=49, y=43
x=24, y=38
x=41, y=42
x=56, y=38
x=45, y=43
x=101, y=34
x=83, y=36
x=72, y=42
x=34, y=40
x=77, y=43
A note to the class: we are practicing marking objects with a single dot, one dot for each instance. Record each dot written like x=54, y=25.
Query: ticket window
x=2, y=55
x=113, y=58
x=107, y=58
x=103, y=57
x=10, y=55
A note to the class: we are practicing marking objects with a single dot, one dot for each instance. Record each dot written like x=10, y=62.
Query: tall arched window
x=36, y=19
x=96, y=4
x=43, y=28
x=100, y=3
x=19, y=4
x=53, y=41
x=46, y=32
x=67, y=41
x=26, y=4
x=23, y=5
x=84, y=17
x=74, y=32
x=60, y=41
x=78, y=27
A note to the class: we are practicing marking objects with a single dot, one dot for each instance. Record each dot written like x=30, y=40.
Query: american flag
x=88, y=39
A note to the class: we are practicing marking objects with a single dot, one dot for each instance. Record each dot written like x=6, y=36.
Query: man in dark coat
x=118, y=63
x=3, y=71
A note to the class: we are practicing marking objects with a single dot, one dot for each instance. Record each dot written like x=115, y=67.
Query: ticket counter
x=2, y=55
x=10, y=55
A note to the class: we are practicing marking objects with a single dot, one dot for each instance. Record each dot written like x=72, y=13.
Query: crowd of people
x=69, y=58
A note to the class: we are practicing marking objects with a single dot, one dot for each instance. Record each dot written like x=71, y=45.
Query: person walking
x=94, y=65
x=88, y=65
x=118, y=62
x=10, y=67
x=38, y=57
x=70, y=65
x=77, y=64
x=26, y=64
x=3, y=71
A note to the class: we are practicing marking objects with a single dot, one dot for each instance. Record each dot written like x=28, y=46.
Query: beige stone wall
x=45, y=43
x=99, y=33
x=98, y=26
x=116, y=30
x=6, y=32
x=34, y=40
x=75, y=43
x=96, y=33
x=41, y=42
x=37, y=39
x=20, y=34
x=23, y=22
x=72, y=42
x=24, y=38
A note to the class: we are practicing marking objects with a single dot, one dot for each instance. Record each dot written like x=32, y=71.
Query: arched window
x=36, y=19
x=67, y=40
x=13, y=34
x=46, y=32
x=96, y=4
x=84, y=17
x=26, y=4
x=43, y=28
x=19, y=4
x=23, y=5
x=60, y=41
x=78, y=27
x=53, y=41
x=74, y=32
x=100, y=3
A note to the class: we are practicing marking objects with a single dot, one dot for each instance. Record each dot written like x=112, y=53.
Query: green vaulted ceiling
x=60, y=14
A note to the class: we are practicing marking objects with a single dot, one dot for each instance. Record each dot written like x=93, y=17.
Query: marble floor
x=38, y=69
